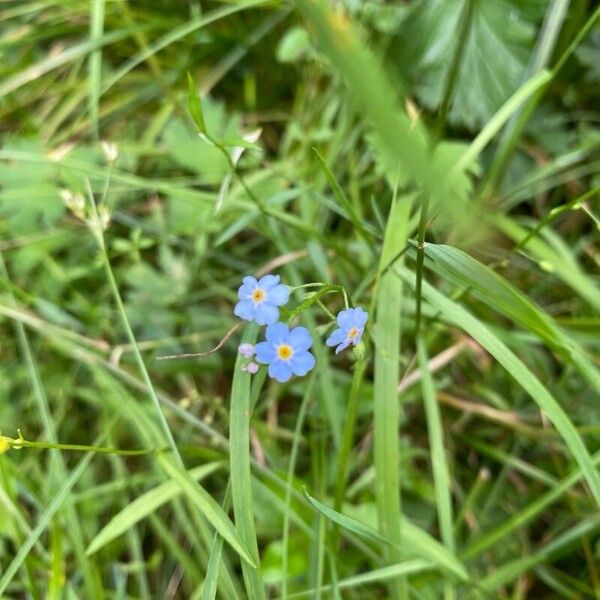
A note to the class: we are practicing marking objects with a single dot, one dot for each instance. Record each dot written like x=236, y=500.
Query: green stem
x=348, y=433
x=420, y=259
x=19, y=443
x=439, y=464
x=99, y=235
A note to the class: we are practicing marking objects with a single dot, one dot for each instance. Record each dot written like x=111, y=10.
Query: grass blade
x=414, y=539
x=52, y=62
x=564, y=266
x=211, y=580
x=526, y=379
x=439, y=465
x=143, y=506
x=510, y=571
x=43, y=522
x=290, y=483
x=386, y=408
x=207, y=505
x=95, y=62
x=402, y=569
x=523, y=517
x=239, y=467
x=496, y=292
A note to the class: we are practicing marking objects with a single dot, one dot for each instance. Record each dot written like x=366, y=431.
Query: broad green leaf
x=493, y=62
x=498, y=120
x=29, y=196
x=293, y=45
x=194, y=151
x=143, y=506
x=207, y=505
x=414, y=539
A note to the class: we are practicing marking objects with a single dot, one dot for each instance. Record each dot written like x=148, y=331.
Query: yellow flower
x=4, y=445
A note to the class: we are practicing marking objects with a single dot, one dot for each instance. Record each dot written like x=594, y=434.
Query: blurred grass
x=439, y=160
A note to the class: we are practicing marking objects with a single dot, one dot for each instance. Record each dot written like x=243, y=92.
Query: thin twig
x=198, y=354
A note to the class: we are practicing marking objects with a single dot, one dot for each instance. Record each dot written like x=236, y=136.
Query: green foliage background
x=455, y=455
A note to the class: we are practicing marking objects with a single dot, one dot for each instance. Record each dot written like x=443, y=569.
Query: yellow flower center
x=258, y=295
x=284, y=352
x=352, y=333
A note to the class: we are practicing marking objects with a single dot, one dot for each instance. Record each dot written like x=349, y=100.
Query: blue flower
x=286, y=352
x=259, y=299
x=351, y=325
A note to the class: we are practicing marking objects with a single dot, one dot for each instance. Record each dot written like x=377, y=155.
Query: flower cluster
x=287, y=351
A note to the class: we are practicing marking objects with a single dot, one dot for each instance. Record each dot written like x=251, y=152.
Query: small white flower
x=246, y=350
x=251, y=368
x=110, y=150
x=74, y=202
x=104, y=216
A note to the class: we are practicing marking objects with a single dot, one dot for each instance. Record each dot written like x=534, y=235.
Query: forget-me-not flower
x=286, y=351
x=351, y=325
x=246, y=350
x=251, y=368
x=259, y=299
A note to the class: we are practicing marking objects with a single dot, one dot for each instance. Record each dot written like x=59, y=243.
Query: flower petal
x=356, y=339
x=345, y=318
x=342, y=346
x=280, y=370
x=360, y=317
x=266, y=314
x=336, y=337
x=277, y=333
x=302, y=362
x=247, y=287
x=244, y=309
x=251, y=368
x=300, y=339
x=268, y=281
x=265, y=352
x=279, y=295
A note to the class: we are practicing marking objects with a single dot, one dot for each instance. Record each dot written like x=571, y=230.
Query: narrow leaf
x=517, y=369
x=143, y=506
x=497, y=293
x=195, y=105
x=239, y=468
x=207, y=505
x=414, y=539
